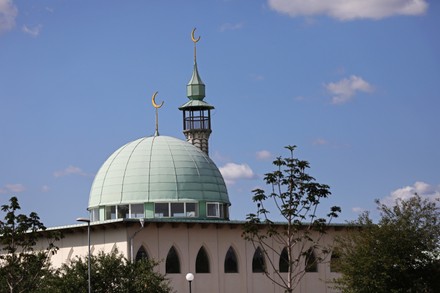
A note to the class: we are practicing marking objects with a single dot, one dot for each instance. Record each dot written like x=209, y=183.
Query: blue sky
x=353, y=83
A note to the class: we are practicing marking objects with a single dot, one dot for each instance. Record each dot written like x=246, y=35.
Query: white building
x=164, y=198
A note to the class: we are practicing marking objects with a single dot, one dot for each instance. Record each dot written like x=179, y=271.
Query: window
x=214, y=209
x=141, y=254
x=258, y=263
x=123, y=211
x=110, y=212
x=94, y=215
x=172, y=264
x=202, y=261
x=231, y=264
x=311, y=262
x=161, y=210
x=177, y=209
x=334, y=262
x=283, y=265
x=137, y=211
x=191, y=209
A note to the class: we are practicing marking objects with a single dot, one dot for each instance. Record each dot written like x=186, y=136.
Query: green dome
x=157, y=169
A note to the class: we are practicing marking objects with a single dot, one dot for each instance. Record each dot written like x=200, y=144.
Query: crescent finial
x=193, y=38
x=154, y=102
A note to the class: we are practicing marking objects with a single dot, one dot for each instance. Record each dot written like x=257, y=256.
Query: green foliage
x=399, y=254
x=110, y=273
x=296, y=196
x=22, y=268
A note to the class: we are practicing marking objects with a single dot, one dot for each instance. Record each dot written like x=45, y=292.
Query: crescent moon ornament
x=193, y=38
x=154, y=102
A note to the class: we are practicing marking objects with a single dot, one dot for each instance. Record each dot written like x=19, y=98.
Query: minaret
x=196, y=112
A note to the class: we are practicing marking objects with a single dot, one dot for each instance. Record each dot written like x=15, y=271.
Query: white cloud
x=8, y=13
x=357, y=210
x=45, y=188
x=12, y=188
x=423, y=189
x=231, y=26
x=257, y=77
x=345, y=10
x=33, y=31
x=320, y=141
x=263, y=155
x=232, y=172
x=345, y=89
x=71, y=170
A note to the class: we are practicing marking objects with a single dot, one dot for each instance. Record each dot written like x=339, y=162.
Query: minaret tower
x=196, y=112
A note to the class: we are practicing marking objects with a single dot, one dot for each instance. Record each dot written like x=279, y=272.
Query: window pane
x=258, y=263
x=283, y=265
x=231, y=264
x=191, y=209
x=94, y=215
x=334, y=262
x=123, y=212
x=311, y=262
x=202, y=261
x=213, y=210
x=137, y=211
x=172, y=265
x=141, y=254
x=110, y=212
x=177, y=209
x=161, y=210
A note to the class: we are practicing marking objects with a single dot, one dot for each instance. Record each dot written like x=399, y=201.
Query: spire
x=156, y=106
x=196, y=112
x=195, y=90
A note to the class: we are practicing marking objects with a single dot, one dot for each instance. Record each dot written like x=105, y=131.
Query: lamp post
x=189, y=278
x=88, y=259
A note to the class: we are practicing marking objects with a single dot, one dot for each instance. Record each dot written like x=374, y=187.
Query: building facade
x=163, y=198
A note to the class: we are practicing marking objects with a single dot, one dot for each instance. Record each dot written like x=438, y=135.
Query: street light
x=189, y=278
x=88, y=259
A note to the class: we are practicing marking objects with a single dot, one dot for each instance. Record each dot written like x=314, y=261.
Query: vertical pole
x=189, y=286
x=88, y=263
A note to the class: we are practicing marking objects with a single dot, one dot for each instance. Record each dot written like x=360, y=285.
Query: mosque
x=164, y=198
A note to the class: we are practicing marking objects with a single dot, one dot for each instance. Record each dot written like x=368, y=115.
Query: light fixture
x=85, y=220
x=189, y=278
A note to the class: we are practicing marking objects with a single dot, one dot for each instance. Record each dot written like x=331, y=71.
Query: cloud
x=33, y=31
x=71, y=170
x=231, y=26
x=357, y=210
x=8, y=13
x=12, y=188
x=320, y=141
x=45, y=188
x=345, y=89
x=257, y=77
x=423, y=189
x=263, y=155
x=346, y=10
x=232, y=172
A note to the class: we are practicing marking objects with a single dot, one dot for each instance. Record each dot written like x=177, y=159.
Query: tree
x=22, y=267
x=111, y=273
x=399, y=254
x=296, y=195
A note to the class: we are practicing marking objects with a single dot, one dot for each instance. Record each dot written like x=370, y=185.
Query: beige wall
x=188, y=238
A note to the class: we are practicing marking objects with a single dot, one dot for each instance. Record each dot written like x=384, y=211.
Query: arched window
x=283, y=265
x=258, y=263
x=172, y=264
x=202, y=261
x=141, y=254
x=334, y=262
x=231, y=263
x=311, y=262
